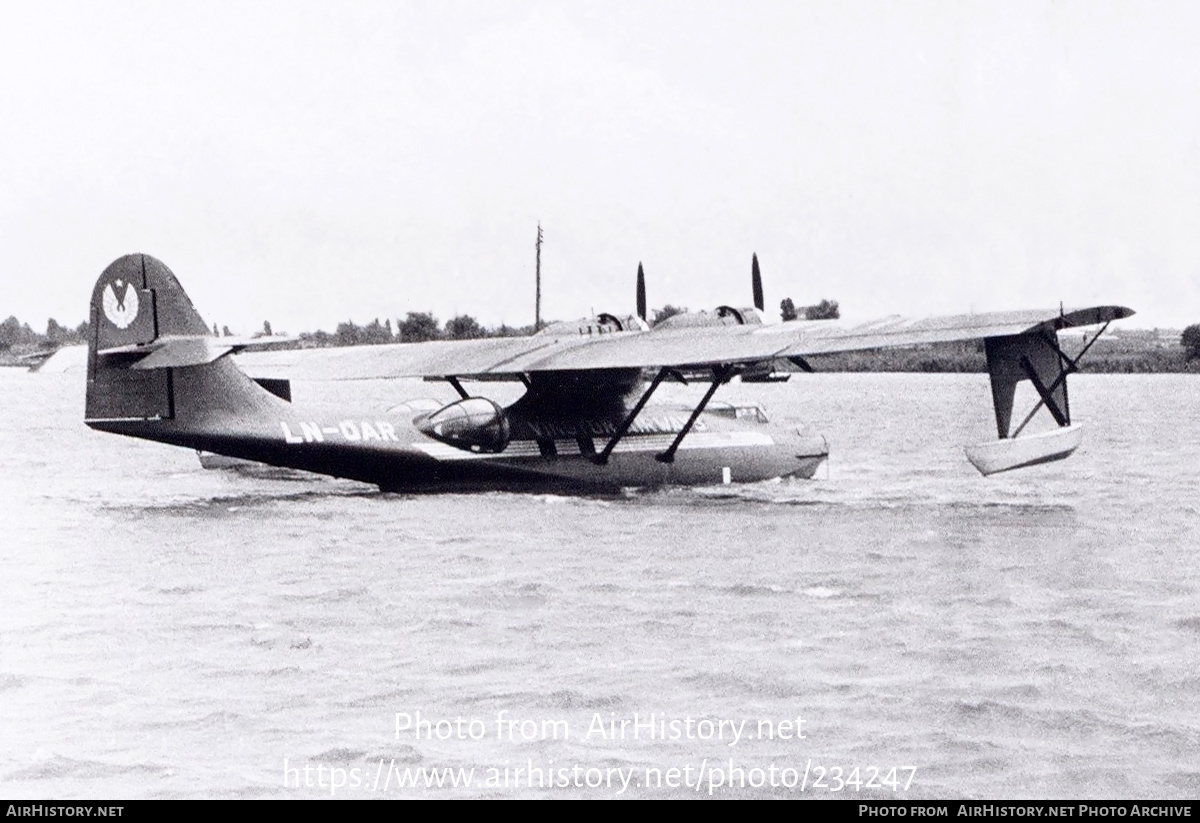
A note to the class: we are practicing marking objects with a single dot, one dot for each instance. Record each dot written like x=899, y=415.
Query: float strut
x=602, y=458
x=721, y=375
x=1047, y=394
x=1047, y=397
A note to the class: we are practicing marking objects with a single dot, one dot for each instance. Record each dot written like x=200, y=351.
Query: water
x=173, y=632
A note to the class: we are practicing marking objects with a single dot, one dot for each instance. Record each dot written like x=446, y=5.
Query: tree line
x=17, y=335
x=825, y=310
x=416, y=327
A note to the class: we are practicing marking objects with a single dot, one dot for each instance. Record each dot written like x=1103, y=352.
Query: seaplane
x=584, y=421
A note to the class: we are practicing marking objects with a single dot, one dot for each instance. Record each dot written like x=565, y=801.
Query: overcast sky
x=309, y=163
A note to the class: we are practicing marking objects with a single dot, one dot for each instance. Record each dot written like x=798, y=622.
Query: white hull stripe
x=569, y=448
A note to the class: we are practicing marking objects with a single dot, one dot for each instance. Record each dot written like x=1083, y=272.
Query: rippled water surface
x=167, y=631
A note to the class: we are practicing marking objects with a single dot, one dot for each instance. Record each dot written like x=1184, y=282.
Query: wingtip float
x=584, y=423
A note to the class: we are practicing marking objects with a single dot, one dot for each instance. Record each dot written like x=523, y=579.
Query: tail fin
x=136, y=301
x=150, y=353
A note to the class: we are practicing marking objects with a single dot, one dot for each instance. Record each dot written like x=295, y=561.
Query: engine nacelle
x=604, y=323
x=721, y=316
x=475, y=424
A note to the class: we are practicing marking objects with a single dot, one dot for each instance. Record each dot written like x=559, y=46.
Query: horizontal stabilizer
x=190, y=350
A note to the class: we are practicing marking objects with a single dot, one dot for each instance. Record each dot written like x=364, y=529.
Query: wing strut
x=666, y=371
x=721, y=376
x=800, y=362
x=458, y=387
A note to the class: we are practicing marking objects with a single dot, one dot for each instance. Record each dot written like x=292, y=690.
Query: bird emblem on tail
x=120, y=307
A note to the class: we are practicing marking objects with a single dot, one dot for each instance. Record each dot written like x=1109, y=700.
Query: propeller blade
x=756, y=282
x=641, y=293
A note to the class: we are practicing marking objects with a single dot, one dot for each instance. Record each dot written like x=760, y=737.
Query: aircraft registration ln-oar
x=584, y=422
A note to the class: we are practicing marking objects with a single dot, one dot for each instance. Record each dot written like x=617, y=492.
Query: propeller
x=641, y=293
x=756, y=282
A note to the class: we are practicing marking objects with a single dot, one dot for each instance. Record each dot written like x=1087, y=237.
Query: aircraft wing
x=677, y=347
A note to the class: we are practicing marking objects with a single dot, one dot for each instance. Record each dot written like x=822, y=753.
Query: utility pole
x=537, y=306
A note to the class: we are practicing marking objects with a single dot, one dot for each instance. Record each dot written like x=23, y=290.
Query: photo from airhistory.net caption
x=1089, y=809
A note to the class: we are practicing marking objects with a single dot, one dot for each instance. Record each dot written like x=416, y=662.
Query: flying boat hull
x=388, y=450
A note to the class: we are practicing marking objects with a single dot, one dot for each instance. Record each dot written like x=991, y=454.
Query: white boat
x=1016, y=452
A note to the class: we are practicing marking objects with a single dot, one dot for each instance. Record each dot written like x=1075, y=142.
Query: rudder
x=136, y=301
